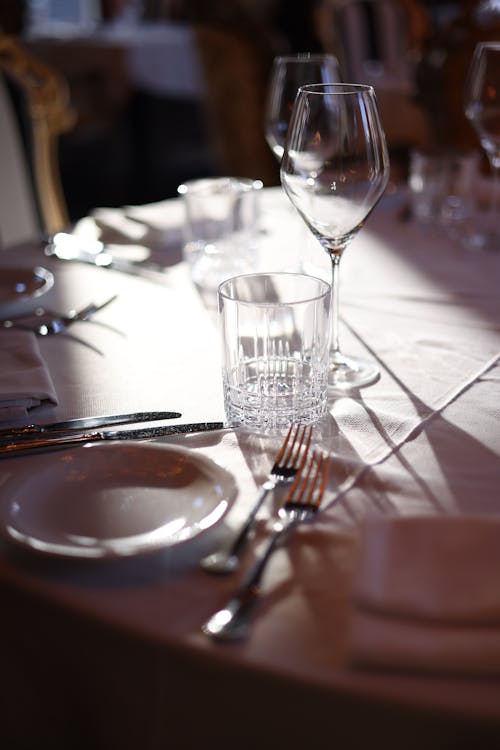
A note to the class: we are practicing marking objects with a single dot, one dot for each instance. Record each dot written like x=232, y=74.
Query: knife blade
x=86, y=423
x=43, y=442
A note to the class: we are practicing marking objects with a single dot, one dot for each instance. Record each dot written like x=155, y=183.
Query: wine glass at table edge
x=482, y=109
x=334, y=170
x=288, y=73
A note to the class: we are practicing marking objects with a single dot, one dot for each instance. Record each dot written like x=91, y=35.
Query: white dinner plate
x=111, y=500
x=20, y=286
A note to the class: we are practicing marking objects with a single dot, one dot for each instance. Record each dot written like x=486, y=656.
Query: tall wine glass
x=482, y=108
x=288, y=73
x=335, y=169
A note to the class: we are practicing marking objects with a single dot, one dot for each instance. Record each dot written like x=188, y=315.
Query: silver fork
x=302, y=503
x=294, y=449
x=57, y=323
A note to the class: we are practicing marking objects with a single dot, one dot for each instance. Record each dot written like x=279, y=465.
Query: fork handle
x=231, y=622
x=226, y=561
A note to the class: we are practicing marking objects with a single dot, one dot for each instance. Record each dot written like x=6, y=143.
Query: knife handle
x=44, y=442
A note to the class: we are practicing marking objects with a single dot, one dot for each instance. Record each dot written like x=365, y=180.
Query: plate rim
x=78, y=553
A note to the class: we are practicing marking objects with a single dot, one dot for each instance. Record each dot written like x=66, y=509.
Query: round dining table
x=109, y=652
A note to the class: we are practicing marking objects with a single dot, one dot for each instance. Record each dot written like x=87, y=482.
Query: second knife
x=86, y=423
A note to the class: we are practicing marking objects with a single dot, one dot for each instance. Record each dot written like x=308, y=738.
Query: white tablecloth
x=129, y=663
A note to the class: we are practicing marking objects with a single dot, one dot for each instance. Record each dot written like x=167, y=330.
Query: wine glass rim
x=323, y=289
x=337, y=88
x=301, y=57
x=488, y=45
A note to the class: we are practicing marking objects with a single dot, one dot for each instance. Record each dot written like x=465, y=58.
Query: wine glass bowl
x=482, y=109
x=335, y=169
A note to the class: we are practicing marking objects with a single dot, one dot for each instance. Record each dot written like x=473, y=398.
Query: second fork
x=302, y=504
x=288, y=462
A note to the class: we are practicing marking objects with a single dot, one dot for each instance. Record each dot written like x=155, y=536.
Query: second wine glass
x=288, y=73
x=482, y=108
x=335, y=169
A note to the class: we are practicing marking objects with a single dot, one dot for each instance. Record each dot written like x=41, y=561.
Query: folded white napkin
x=152, y=232
x=159, y=225
x=25, y=381
x=427, y=595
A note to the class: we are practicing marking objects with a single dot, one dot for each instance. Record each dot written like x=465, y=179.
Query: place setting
x=262, y=390
x=280, y=353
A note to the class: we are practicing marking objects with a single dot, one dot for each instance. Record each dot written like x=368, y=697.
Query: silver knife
x=86, y=423
x=41, y=443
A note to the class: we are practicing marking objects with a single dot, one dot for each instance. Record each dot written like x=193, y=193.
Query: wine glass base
x=347, y=374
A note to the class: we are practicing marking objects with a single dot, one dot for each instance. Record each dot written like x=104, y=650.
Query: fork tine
x=289, y=454
x=310, y=480
x=290, y=459
x=324, y=479
x=300, y=481
x=284, y=446
x=307, y=434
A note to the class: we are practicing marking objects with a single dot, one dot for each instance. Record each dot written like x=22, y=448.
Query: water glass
x=459, y=205
x=275, y=342
x=442, y=188
x=221, y=227
x=427, y=183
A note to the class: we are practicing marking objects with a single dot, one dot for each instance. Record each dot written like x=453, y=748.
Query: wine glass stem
x=335, y=347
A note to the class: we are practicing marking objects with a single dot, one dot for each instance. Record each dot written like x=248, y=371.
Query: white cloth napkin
x=137, y=233
x=159, y=225
x=25, y=381
x=427, y=595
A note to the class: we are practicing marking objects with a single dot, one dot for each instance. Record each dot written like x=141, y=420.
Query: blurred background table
x=141, y=123
x=176, y=90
